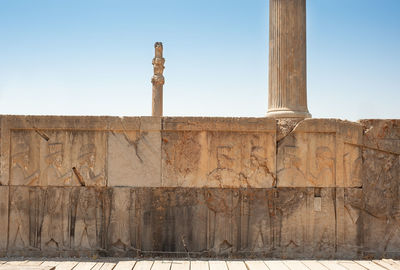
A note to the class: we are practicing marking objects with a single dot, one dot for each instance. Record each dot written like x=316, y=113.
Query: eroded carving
x=86, y=219
x=24, y=171
x=87, y=161
x=55, y=229
x=54, y=174
x=307, y=160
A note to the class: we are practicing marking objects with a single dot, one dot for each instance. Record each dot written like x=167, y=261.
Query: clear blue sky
x=93, y=57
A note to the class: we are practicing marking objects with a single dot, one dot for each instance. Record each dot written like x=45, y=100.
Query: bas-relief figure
x=291, y=174
x=306, y=160
x=259, y=221
x=381, y=214
x=55, y=227
x=349, y=205
x=243, y=160
x=87, y=161
x=86, y=219
x=182, y=153
x=119, y=235
x=290, y=211
x=22, y=161
x=257, y=173
x=352, y=165
x=26, y=216
x=54, y=174
x=36, y=161
x=321, y=222
x=221, y=220
x=325, y=166
x=218, y=159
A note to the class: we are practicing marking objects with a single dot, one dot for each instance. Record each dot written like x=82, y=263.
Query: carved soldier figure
x=87, y=160
x=85, y=225
x=120, y=219
x=19, y=167
x=19, y=219
x=258, y=172
x=290, y=174
x=221, y=205
x=325, y=165
x=53, y=175
x=53, y=222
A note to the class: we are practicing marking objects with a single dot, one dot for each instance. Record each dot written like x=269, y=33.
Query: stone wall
x=144, y=186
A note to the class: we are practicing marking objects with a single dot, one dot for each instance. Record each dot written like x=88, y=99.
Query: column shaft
x=158, y=80
x=287, y=95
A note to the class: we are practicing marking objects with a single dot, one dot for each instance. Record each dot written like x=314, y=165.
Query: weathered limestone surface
x=320, y=153
x=204, y=152
x=3, y=219
x=381, y=180
x=134, y=156
x=132, y=186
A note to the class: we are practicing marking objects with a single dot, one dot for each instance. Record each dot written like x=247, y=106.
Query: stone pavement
x=110, y=264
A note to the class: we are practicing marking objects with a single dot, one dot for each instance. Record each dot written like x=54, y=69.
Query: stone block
x=89, y=207
x=26, y=216
x=4, y=191
x=320, y=153
x=381, y=178
x=304, y=225
x=218, y=124
x=203, y=154
x=123, y=223
x=349, y=222
x=58, y=158
x=171, y=220
x=57, y=220
x=382, y=135
x=256, y=224
x=134, y=156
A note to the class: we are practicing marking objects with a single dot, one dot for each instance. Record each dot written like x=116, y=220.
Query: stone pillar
x=158, y=80
x=287, y=93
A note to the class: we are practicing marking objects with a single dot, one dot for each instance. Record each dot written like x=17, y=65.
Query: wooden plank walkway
x=114, y=264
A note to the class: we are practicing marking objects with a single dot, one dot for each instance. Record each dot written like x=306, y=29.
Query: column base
x=287, y=114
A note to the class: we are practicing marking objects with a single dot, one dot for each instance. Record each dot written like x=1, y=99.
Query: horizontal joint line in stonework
x=222, y=130
x=373, y=148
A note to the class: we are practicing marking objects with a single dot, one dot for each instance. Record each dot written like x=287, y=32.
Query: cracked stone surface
x=207, y=187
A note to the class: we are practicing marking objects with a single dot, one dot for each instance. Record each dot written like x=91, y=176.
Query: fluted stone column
x=158, y=80
x=287, y=93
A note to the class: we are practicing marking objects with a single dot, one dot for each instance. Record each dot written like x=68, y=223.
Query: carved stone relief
x=50, y=158
x=307, y=160
x=26, y=217
x=218, y=159
x=56, y=228
x=352, y=165
x=25, y=168
x=305, y=222
x=349, y=207
x=257, y=221
x=4, y=191
x=382, y=201
x=122, y=221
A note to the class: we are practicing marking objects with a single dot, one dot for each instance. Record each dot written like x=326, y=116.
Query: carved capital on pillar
x=158, y=80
